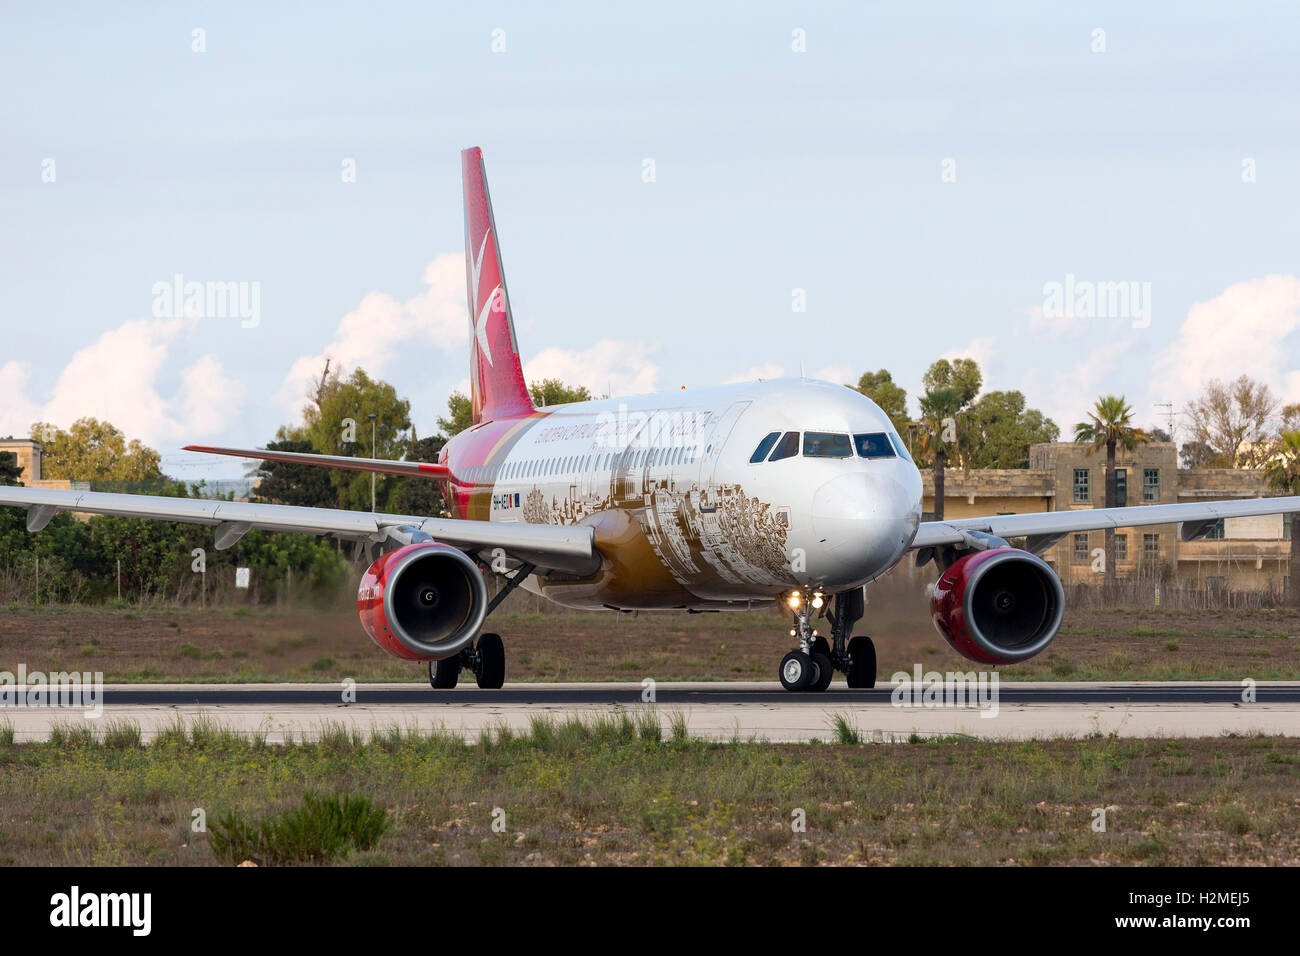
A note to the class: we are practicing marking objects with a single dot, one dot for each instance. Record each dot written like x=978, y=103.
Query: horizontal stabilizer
x=417, y=469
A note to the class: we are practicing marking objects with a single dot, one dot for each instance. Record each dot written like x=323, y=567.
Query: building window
x=1121, y=547
x=1121, y=487
x=1150, y=484
x=1082, y=491
x=1151, y=546
x=1081, y=548
x=1215, y=533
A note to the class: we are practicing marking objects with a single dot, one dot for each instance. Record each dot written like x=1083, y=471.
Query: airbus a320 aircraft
x=728, y=498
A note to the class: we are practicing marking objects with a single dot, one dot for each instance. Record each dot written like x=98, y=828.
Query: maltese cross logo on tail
x=484, y=310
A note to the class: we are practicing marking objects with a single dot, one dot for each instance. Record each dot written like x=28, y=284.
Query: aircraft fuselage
x=682, y=515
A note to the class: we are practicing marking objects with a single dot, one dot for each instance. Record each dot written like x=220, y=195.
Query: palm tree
x=939, y=408
x=1109, y=425
x=1283, y=473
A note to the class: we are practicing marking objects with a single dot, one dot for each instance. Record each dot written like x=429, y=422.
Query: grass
x=634, y=788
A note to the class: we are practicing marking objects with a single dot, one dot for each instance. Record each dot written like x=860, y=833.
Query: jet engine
x=998, y=606
x=423, y=602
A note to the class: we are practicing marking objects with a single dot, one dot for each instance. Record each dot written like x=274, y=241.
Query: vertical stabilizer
x=497, y=388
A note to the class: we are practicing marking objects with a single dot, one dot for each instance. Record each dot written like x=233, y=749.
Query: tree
x=91, y=450
x=460, y=415
x=997, y=430
x=10, y=473
x=1155, y=433
x=1197, y=454
x=1234, y=420
x=1283, y=473
x=880, y=387
x=949, y=388
x=418, y=496
x=1109, y=425
x=338, y=423
x=552, y=391
x=286, y=484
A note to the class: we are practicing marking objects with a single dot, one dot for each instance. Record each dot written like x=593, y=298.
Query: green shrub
x=317, y=831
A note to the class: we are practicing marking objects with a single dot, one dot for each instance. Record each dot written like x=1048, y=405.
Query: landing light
x=817, y=600
x=795, y=600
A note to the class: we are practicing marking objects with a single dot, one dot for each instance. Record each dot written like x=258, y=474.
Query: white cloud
x=755, y=372
x=839, y=374
x=1065, y=395
x=611, y=365
x=381, y=327
x=17, y=412
x=115, y=379
x=1242, y=330
x=980, y=349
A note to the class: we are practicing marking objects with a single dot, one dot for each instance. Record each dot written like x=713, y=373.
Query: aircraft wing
x=419, y=469
x=1047, y=528
x=549, y=547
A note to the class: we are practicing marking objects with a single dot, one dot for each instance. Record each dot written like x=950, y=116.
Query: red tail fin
x=497, y=388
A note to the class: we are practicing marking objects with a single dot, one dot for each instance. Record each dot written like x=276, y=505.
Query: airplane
x=726, y=498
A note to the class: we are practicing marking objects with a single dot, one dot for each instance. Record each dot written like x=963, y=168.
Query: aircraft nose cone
x=864, y=521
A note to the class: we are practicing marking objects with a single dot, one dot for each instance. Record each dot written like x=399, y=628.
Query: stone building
x=28, y=453
x=1250, y=554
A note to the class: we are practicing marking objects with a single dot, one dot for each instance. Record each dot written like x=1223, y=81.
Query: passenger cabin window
x=827, y=445
x=763, y=448
x=873, y=445
x=787, y=447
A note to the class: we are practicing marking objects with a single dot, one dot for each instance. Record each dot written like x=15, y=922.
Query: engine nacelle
x=423, y=602
x=998, y=606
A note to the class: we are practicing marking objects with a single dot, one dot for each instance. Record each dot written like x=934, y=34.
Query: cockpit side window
x=826, y=445
x=873, y=445
x=764, y=447
x=900, y=447
x=787, y=447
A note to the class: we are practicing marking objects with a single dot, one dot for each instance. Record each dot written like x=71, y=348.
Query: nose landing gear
x=812, y=665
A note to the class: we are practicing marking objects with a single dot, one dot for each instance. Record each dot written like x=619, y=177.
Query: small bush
x=122, y=735
x=845, y=731
x=317, y=831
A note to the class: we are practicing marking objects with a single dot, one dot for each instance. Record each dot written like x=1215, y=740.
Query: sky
x=685, y=193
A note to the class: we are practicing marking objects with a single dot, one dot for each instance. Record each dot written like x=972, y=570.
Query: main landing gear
x=813, y=663
x=486, y=658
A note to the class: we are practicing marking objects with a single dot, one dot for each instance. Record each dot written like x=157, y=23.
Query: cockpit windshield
x=787, y=448
x=873, y=445
x=826, y=445
x=901, y=448
x=764, y=447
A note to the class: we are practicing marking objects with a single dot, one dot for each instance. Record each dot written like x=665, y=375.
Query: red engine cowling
x=998, y=606
x=423, y=602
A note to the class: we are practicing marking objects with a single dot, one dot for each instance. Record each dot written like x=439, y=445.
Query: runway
x=713, y=710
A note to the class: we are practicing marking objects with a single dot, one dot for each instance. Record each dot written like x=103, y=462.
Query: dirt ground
x=189, y=644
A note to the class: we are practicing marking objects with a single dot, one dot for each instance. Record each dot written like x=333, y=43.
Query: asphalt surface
x=680, y=694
